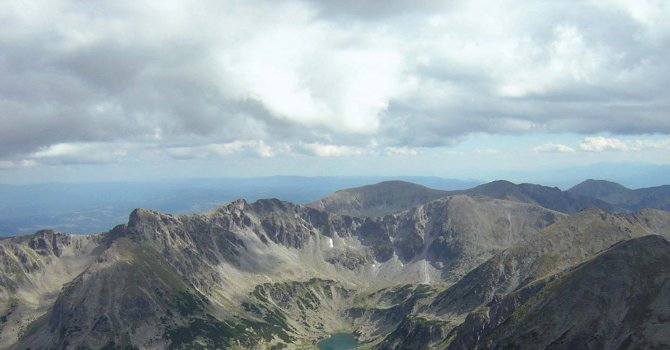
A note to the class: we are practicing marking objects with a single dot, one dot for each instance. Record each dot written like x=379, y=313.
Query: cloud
x=639, y=145
x=486, y=151
x=601, y=144
x=80, y=153
x=217, y=150
x=6, y=164
x=322, y=150
x=551, y=147
x=400, y=151
x=185, y=77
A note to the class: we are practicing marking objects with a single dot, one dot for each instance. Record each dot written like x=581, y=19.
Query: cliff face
x=273, y=274
x=32, y=271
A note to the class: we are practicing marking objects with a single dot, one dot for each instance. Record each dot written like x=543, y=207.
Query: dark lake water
x=339, y=341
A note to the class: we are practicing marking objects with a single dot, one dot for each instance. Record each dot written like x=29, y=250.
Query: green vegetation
x=188, y=304
x=112, y=346
x=208, y=333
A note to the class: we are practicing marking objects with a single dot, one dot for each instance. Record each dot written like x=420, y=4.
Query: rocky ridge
x=271, y=274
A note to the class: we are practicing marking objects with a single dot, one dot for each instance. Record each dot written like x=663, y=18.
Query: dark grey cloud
x=222, y=76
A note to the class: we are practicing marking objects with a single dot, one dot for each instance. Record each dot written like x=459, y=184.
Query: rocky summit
x=400, y=266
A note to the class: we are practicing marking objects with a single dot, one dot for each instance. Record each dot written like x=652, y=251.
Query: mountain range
x=620, y=196
x=399, y=265
x=95, y=207
x=393, y=196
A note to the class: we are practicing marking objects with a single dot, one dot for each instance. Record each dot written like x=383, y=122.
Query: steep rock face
x=32, y=271
x=619, y=299
x=458, y=233
x=416, y=333
x=48, y=242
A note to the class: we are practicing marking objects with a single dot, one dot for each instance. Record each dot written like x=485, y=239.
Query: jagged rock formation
x=455, y=272
x=32, y=271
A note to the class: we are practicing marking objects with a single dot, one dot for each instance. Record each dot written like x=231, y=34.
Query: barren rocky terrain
x=458, y=271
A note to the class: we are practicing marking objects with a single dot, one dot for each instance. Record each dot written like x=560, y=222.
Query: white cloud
x=81, y=153
x=330, y=74
x=324, y=150
x=540, y=68
x=651, y=14
x=309, y=72
x=250, y=147
x=60, y=150
x=639, y=145
x=601, y=144
x=401, y=151
x=552, y=147
x=14, y=164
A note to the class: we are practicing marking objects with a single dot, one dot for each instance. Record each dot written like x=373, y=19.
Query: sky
x=479, y=89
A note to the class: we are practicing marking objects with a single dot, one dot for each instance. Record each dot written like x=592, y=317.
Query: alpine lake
x=338, y=341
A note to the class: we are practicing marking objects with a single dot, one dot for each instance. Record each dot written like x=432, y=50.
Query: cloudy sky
x=127, y=90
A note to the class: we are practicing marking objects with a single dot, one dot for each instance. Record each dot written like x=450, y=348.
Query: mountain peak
x=139, y=215
x=390, y=185
x=269, y=205
x=379, y=199
x=501, y=183
x=593, y=187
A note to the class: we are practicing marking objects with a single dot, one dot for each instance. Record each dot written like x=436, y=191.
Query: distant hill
x=618, y=195
x=548, y=197
x=379, y=199
x=395, y=196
